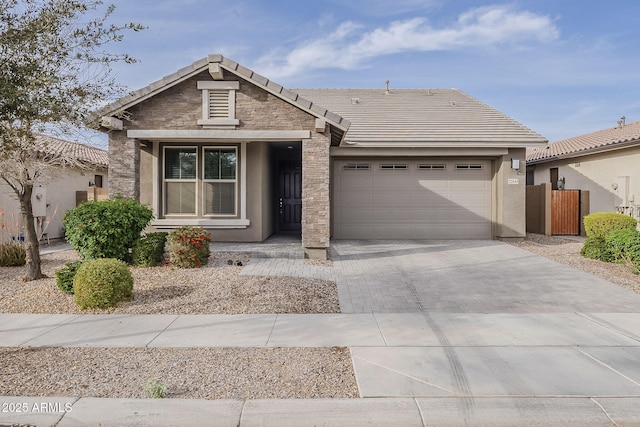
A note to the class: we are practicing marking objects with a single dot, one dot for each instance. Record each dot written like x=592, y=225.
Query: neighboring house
x=219, y=146
x=606, y=163
x=51, y=201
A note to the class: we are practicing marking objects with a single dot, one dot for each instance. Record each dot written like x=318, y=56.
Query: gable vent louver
x=218, y=104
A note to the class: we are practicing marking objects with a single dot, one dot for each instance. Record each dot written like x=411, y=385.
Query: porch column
x=315, y=196
x=124, y=166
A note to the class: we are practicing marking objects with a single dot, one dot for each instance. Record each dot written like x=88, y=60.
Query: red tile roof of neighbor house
x=88, y=154
x=606, y=139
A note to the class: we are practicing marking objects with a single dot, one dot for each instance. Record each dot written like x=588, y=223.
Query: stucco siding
x=602, y=174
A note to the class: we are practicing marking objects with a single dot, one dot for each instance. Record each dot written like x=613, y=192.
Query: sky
x=560, y=67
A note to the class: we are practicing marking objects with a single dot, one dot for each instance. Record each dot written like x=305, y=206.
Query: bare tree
x=55, y=68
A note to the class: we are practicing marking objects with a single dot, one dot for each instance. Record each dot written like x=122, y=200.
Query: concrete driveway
x=466, y=277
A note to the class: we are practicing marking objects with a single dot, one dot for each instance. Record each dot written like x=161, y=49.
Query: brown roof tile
x=85, y=153
x=601, y=140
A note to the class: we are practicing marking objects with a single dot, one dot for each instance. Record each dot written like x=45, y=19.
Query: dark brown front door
x=290, y=199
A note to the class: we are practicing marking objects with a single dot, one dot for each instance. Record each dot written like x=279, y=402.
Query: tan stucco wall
x=597, y=173
x=60, y=196
x=509, y=184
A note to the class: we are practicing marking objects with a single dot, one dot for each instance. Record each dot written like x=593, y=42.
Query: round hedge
x=102, y=283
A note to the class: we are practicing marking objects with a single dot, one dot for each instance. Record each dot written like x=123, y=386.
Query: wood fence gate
x=565, y=212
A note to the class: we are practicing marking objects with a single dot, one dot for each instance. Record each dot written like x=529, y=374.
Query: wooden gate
x=565, y=212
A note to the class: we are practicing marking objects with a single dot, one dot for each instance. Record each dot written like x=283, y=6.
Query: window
x=180, y=172
x=468, y=166
x=218, y=104
x=432, y=167
x=219, y=183
x=356, y=166
x=200, y=181
x=393, y=167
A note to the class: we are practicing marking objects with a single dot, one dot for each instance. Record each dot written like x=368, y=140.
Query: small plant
x=106, y=228
x=189, y=247
x=64, y=276
x=598, y=225
x=12, y=254
x=597, y=248
x=148, y=251
x=102, y=283
x=155, y=389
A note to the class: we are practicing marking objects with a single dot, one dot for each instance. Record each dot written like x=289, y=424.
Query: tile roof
x=409, y=116
x=91, y=155
x=404, y=116
x=602, y=140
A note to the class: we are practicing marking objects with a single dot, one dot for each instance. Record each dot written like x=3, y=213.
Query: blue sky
x=560, y=67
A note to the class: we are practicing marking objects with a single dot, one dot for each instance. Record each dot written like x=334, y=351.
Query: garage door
x=412, y=199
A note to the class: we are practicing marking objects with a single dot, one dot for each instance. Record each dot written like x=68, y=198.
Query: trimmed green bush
x=596, y=248
x=107, y=228
x=625, y=246
x=64, y=276
x=12, y=254
x=598, y=225
x=102, y=283
x=189, y=247
x=148, y=251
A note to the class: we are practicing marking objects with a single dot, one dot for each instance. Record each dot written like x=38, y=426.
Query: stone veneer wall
x=316, y=204
x=124, y=166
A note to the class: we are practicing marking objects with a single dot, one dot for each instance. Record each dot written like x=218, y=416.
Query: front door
x=290, y=199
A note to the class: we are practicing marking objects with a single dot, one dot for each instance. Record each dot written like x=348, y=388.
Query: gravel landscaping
x=217, y=288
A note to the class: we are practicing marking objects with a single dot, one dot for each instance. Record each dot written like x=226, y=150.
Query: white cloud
x=349, y=47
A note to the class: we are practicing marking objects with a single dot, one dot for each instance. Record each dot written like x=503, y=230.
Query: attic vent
x=432, y=167
x=356, y=166
x=355, y=101
x=219, y=104
x=468, y=166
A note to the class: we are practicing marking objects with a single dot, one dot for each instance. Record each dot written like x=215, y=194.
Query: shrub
x=598, y=225
x=12, y=254
x=189, y=247
x=64, y=276
x=107, y=228
x=596, y=248
x=148, y=251
x=625, y=246
x=102, y=283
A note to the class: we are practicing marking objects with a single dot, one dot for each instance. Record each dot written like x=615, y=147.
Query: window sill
x=219, y=123
x=201, y=222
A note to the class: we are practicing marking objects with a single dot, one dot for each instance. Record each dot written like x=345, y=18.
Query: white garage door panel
x=413, y=203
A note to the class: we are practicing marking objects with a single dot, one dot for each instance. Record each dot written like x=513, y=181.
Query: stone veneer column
x=315, y=196
x=124, y=166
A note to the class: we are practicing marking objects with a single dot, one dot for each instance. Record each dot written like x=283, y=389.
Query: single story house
x=606, y=163
x=217, y=145
x=52, y=199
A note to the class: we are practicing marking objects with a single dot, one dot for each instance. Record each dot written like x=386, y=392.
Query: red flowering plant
x=189, y=247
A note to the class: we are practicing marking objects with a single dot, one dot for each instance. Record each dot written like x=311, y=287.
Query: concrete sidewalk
x=440, y=333
x=496, y=369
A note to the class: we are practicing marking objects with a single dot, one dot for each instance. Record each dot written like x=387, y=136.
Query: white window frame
x=234, y=181
x=165, y=181
x=229, y=122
